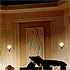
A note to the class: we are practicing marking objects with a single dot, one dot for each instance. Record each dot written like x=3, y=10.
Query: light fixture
x=61, y=44
x=9, y=47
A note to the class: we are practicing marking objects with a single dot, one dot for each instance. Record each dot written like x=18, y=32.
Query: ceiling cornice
x=35, y=8
x=36, y=5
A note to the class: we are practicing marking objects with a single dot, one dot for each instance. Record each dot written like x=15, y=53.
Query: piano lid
x=54, y=63
x=37, y=59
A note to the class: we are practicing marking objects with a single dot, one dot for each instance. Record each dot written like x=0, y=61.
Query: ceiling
x=16, y=2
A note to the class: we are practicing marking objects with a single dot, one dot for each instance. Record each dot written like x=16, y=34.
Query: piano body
x=44, y=64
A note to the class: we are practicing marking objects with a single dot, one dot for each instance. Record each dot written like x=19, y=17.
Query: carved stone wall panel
x=34, y=42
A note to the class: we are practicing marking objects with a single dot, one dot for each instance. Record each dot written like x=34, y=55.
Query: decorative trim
x=33, y=8
x=25, y=6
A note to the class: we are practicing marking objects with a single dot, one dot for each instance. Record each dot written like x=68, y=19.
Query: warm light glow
x=61, y=44
x=9, y=47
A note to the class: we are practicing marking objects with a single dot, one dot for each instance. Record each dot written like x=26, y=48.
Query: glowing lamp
x=61, y=44
x=9, y=47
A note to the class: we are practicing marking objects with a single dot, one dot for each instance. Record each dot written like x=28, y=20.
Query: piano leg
x=63, y=68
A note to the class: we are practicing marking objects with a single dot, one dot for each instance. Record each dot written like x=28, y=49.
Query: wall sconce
x=61, y=44
x=9, y=47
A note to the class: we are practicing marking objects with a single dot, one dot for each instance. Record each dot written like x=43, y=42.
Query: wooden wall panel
x=60, y=32
x=9, y=36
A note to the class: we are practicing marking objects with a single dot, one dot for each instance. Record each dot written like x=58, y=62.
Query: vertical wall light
x=61, y=44
x=9, y=47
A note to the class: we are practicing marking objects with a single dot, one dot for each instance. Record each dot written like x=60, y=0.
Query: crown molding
x=36, y=5
x=35, y=8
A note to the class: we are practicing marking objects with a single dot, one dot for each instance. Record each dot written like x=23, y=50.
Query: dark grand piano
x=44, y=64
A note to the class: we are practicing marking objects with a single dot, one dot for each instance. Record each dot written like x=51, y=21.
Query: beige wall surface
x=56, y=26
x=60, y=32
